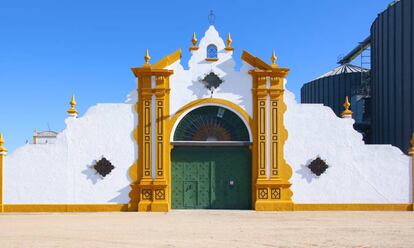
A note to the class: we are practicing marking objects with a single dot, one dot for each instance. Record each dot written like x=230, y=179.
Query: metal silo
x=331, y=89
x=392, y=65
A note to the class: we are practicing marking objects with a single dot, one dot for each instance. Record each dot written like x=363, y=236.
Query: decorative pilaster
x=153, y=189
x=271, y=187
x=162, y=99
x=260, y=121
x=3, y=153
x=411, y=153
x=276, y=152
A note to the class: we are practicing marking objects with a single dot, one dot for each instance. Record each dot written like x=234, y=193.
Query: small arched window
x=212, y=52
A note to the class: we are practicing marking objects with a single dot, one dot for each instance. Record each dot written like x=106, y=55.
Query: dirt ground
x=208, y=229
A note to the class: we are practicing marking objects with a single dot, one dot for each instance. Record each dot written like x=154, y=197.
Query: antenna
x=48, y=126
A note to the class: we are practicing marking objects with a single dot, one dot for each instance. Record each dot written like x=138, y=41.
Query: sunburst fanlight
x=211, y=123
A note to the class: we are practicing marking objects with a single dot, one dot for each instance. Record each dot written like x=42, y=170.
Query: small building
x=44, y=137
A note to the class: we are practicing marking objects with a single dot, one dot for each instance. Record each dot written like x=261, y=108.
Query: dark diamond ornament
x=103, y=167
x=318, y=166
x=211, y=82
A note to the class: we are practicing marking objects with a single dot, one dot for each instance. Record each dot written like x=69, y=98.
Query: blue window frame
x=211, y=51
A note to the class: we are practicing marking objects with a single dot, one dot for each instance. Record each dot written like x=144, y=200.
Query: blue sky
x=50, y=50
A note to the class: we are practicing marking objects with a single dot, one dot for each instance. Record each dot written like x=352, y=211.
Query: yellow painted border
x=48, y=208
x=353, y=207
x=65, y=207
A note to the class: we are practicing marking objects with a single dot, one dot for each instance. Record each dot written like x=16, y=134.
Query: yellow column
x=160, y=201
x=276, y=152
x=280, y=172
x=261, y=126
x=145, y=141
x=259, y=167
x=411, y=153
x=3, y=153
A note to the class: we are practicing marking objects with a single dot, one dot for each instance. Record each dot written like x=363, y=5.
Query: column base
x=160, y=206
x=273, y=205
x=144, y=206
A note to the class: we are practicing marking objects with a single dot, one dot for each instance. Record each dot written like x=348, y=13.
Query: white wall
x=186, y=85
x=357, y=173
x=61, y=173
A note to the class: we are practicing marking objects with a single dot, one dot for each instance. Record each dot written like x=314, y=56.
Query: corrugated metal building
x=392, y=46
x=390, y=89
x=331, y=89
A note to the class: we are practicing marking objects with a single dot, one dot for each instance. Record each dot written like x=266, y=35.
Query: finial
x=72, y=111
x=229, y=41
x=35, y=136
x=147, y=57
x=194, y=41
x=411, y=149
x=211, y=17
x=3, y=150
x=347, y=113
x=273, y=59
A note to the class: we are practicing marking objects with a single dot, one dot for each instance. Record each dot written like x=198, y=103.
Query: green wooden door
x=211, y=178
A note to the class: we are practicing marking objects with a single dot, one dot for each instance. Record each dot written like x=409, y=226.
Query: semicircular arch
x=234, y=108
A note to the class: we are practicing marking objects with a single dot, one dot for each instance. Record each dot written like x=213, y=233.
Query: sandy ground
x=208, y=229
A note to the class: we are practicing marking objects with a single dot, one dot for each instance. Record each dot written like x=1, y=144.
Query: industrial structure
x=382, y=88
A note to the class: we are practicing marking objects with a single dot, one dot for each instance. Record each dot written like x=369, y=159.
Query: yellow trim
x=354, y=207
x=124, y=207
x=3, y=153
x=200, y=102
x=411, y=149
x=271, y=192
x=65, y=207
x=168, y=60
x=255, y=61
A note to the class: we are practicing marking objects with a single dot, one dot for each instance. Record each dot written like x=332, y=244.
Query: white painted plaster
x=357, y=173
x=61, y=173
x=186, y=85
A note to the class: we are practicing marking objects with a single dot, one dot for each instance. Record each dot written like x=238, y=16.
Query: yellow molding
x=168, y=60
x=65, y=207
x=211, y=59
x=124, y=207
x=204, y=101
x=255, y=61
x=353, y=207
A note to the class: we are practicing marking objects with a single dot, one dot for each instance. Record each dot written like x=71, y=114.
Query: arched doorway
x=211, y=160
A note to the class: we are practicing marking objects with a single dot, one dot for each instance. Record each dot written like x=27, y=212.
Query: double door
x=211, y=178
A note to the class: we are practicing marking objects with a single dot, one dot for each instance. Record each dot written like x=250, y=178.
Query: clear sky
x=50, y=50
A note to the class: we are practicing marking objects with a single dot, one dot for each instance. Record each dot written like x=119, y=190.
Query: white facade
x=61, y=173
